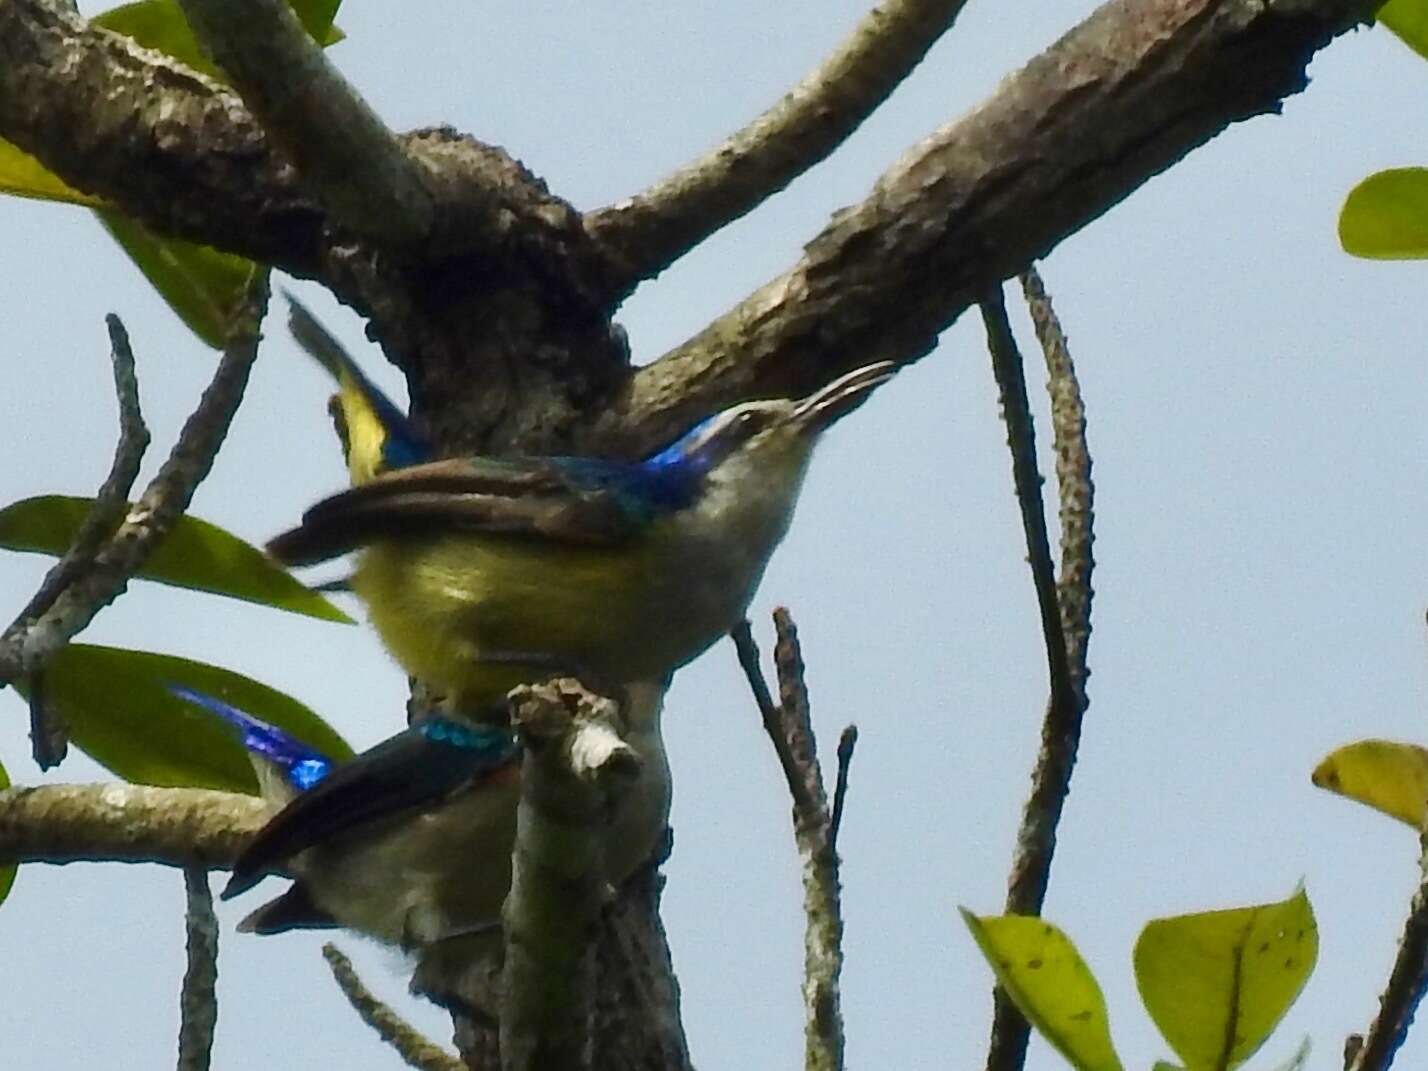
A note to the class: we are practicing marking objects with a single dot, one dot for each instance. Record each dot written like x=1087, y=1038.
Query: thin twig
x=790, y=727
x=748, y=652
x=1065, y=613
x=646, y=233
x=160, y=506
x=1406, y=983
x=1021, y=439
x=1076, y=492
x=410, y=1044
x=359, y=170
x=48, y=736
x=112, y=498
x=846, y=743
x=198, y=1001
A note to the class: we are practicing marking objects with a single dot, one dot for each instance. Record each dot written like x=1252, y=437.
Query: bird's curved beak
x=843, y=395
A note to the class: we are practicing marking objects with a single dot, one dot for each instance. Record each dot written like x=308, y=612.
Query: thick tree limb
x=1118, y=99
x=358, y=170
x=648, y=232
x=574, y=763
x=158, y=508
x=158, y=141
x=182, y=827
x=198, y=1000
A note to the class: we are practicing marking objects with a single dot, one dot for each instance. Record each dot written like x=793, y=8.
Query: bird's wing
x=417, y=767
x=570, y=500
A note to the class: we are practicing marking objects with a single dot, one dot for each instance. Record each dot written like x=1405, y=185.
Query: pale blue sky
x=1258, y=404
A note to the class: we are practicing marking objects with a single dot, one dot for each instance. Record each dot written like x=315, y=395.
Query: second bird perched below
x=484, y=573
x=410, y=842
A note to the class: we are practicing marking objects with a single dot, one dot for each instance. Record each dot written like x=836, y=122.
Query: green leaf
x=120, y=712
x=24, y=176
x=1161, y=1065
x=1050, y=983
x=7, y=873
x=1408, y=19
x=1216, y=983
x=316, y=17
x=195, y=555
x=204, y=286
x=1385, y=217
x=160, y=25
x=1387, y=776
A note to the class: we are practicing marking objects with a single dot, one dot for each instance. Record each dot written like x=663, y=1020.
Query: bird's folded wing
x=415, y=768
x=561, y=499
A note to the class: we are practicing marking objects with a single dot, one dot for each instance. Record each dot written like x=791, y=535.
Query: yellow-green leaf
x=1408, y=19
x=1161, y=1065
x=24, y=176
x=1387, y=776
x=1385, y=217
x=1216, y=983
x=195, y=555
x=204, y=286
x=1049, y=982
x=160, y=25
x=7, y=873
x=120, y=712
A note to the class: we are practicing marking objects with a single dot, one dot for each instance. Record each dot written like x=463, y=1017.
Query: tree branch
x=415, y=1049
x=360, y=172
x=48, y=736
x=574, y=764
x=198, y=1001
x=155, y=139
x=790, y=728
x=648, y=232
x=1118, y=99
x=158, y=508
x=1406, y=984
x=1065, y=612
x=1075, y=491
x=1021, y=440
x=182, y=827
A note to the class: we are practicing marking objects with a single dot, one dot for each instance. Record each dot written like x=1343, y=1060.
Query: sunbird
x=410, y=842
x=483, y=573
x=376, y=434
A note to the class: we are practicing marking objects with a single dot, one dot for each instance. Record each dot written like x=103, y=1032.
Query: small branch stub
x=576, y=763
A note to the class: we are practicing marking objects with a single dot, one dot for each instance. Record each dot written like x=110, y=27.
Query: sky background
x=1257, y=404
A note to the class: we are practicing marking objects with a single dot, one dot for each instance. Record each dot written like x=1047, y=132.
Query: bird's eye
x=749, y=421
